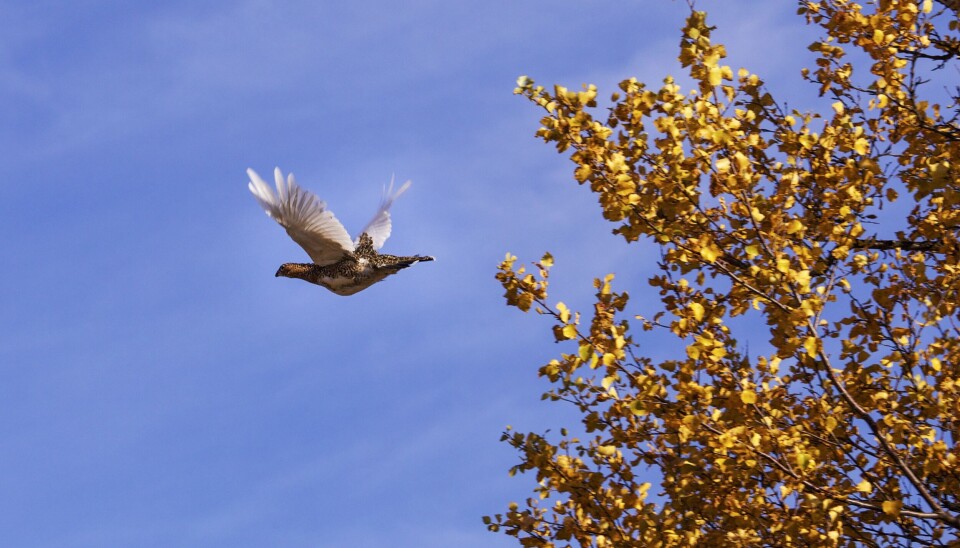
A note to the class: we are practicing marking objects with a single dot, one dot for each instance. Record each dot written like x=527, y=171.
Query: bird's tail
x=400, y=263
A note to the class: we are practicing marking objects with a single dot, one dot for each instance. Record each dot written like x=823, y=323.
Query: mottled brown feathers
x=352, y=273
x=340, y=265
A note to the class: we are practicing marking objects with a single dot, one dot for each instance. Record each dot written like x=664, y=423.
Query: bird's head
x=292, y=270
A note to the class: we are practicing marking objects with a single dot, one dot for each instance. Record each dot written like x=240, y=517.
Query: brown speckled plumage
x=340, y=265
x=355, y=272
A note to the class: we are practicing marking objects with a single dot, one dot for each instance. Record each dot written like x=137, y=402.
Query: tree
x=838, y=230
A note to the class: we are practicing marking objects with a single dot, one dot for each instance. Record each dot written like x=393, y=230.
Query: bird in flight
x=340, y=264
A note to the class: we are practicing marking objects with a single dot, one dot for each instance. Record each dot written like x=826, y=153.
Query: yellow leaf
x=608, y=381
x=803, y=280
x=865, y=487
x=742, y=161
x=748, y=397
x=547, y=260
x=892, y=507
x=810, y=345
x=939, y=172
x=607, y=450
x=583, y=173
x=564, y=312
x=710, y=252
x=586, y=352
x=636, y=407
x=570, y=331
x=716, y=76
x=697, y=310
x=606, y=284
x=861, y=146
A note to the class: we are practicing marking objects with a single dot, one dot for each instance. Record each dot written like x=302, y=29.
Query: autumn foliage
x=838, y=230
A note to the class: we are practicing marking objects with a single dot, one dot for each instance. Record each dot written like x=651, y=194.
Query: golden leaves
x=706, y=347
x=804, y=461
x=861, y=146
x=892, y=507
x=812, y=346
x=808, y=141
x=565, y=332
x=545, y=262
x=564, y=312
x=805, y=336
x=710, y=252
x=523, y=289
x=697, y=310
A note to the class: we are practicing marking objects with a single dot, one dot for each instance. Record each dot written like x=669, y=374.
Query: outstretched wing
x=306, y=217
x=379, y=227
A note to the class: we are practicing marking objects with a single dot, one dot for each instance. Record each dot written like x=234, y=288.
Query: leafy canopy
x=838, y=230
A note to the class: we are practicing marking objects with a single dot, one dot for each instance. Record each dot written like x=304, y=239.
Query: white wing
x=379, y=227
x=306, y=217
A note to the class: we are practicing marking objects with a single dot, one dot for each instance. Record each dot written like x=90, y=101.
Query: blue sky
x=160, y=386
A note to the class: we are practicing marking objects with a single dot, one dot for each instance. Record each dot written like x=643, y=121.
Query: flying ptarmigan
x=340, y=264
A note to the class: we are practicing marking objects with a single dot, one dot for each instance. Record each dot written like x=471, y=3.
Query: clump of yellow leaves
x=842, y=430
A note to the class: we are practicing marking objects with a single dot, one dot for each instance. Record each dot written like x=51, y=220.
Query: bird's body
x=351, y=274
x=343, y=266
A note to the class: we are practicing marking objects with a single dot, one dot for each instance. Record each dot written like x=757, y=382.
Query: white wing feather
x=306, y=218
x=380, y=226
